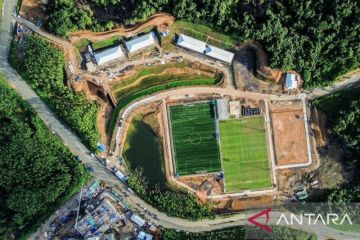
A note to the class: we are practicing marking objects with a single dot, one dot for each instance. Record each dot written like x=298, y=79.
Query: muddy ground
x=289, y=132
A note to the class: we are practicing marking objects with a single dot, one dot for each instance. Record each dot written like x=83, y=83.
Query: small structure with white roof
x=108, y=55
x=222, y=109
x=144, y=236
x=291, y=81
x=140, y=43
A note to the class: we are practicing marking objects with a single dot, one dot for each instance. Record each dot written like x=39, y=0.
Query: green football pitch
x=244, y=154
x=194, y=141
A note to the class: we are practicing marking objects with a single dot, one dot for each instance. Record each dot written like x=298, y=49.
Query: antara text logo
x=290, y=219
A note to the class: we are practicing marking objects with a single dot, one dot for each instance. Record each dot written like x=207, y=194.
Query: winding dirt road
x=159, y=20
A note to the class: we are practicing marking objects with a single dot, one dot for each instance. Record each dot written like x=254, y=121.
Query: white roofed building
x=219, y=54
x=108, y=55
x=137, y=220
x=290, y=81
x=203, y=48
x=141, y=42
x=191, y=43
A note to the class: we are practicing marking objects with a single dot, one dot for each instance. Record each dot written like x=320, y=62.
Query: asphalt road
x=100, y=172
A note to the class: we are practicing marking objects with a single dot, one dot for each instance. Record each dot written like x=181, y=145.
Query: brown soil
x=319, y=130
x=205, y=184
x=161, y=21
x=238, y=204
x=103, y=118
x=289, y=133
x=274, y=75
x=32, y=10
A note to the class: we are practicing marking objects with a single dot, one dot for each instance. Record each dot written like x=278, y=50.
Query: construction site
x=156, y=67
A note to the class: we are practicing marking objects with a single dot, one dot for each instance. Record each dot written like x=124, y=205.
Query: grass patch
x=128, y=99
x=116, y=40
x=156, y=69
x=244, y=154
x=155, y=80
x=194, y=141
x=199, y=32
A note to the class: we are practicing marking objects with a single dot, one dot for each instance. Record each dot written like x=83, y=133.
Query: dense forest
x=319, y=38
x=342, y=111
x=42, y=66
x=37, y=173
x=237, y=233
x=66, y=17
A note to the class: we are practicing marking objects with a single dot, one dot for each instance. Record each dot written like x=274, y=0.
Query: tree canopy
x=37, y=173
x=43, y=68
x=66, y=17
x=173, y=202
x=319, y=38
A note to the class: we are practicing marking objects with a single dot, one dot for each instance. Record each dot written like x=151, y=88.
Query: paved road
x=74, y=144
x=353, y=81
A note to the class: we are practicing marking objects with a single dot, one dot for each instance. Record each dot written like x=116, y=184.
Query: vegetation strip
x=37, y=172
x=42, y=66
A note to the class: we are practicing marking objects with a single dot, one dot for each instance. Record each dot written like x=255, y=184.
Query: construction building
x=99, y=220
x=222, y=109
x=109, y=55
x=141, y=43
x=204, y=48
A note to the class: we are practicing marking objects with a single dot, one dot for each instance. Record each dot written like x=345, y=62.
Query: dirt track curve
x=158, y=20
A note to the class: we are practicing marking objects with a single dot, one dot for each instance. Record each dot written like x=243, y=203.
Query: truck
x=120, y=175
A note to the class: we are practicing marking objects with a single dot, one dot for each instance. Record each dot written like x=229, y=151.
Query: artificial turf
x=194, y=140
x=244, y=154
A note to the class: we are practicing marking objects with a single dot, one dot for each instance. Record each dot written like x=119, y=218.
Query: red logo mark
x=263, y=226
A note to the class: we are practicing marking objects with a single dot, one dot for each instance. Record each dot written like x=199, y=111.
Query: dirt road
x=160, y=20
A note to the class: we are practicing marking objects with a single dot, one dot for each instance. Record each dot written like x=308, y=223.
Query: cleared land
x=244, y=153
x=194, y=142
x=289, y=133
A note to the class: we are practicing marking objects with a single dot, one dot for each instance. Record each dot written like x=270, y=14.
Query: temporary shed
x=191, y=43
x=110, y=54
x=219, y=54
x=137, y=220
x=290, y=81
x=141, y=42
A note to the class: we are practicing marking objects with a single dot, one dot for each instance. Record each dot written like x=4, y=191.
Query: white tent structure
x=290, y=81
x=108, y=55
x=191, y=43
x=141, y=42
x=203, y=48
x=219, y=54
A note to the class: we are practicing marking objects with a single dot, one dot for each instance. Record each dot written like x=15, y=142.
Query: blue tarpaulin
x=101, y=147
